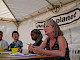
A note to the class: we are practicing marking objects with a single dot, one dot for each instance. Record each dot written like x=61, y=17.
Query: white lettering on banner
x=66, y=19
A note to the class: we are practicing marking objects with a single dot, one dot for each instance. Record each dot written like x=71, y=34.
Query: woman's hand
x=37, y=50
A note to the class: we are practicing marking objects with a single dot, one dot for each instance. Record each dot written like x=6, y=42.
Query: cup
x=1, y=49
x=14, y=50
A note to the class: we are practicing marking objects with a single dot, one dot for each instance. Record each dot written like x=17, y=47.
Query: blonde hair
x=57, y=30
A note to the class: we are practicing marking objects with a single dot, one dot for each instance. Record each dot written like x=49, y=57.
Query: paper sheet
x=20, y=54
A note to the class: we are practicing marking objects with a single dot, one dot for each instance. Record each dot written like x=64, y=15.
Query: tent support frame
x=70, y=36
x=56, y=7
x=16, y=22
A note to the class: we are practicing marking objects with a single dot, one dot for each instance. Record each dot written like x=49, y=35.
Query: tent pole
x=70, y=36
x=16, y=23
x=54, y=6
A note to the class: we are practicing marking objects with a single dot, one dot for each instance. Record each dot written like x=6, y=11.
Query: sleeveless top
x=56, y=47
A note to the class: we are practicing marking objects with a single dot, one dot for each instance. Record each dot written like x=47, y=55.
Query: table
x=3, y=56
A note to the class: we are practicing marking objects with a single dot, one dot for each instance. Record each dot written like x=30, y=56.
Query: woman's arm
x=62, y=45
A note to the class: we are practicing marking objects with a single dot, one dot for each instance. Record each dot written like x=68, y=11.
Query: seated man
x=37, y=37
x=3, y=42
x=16, y=43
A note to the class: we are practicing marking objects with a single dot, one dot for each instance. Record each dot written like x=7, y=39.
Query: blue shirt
x=16, y=44
x=4, y=43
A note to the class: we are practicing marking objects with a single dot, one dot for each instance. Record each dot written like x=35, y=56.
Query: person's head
x=1, y=34
x=15, y=35
x=50, y=26
x=35, y=33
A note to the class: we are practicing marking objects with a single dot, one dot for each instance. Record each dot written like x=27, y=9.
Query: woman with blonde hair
x=55, y=43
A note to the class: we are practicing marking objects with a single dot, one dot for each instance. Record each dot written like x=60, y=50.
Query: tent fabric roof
x=21, y=8
x=25, y=8
x=4, y=12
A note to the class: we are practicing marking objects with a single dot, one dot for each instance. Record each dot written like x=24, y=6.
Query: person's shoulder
x=4, y=41
x=20, y=41
x=61, y=37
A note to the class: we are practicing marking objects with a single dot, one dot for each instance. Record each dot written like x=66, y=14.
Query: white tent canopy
x=22, y=8
x=22, y=15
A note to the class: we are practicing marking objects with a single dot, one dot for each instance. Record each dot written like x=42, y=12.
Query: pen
x=33, y=45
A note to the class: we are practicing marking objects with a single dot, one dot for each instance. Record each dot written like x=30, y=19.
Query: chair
x=74, y=51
